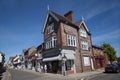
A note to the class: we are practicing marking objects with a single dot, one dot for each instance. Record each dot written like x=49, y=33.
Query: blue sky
x=21, y=21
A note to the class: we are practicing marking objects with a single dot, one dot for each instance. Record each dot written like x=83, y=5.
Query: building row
x=67, y=47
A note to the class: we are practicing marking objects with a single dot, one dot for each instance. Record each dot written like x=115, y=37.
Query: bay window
x=51, y=42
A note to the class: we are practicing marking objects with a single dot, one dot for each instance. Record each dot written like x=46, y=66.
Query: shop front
x=61, y=63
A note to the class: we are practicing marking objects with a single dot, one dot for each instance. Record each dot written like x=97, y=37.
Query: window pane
x=71, y=40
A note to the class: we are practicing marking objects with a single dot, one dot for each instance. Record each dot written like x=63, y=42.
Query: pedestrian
x=45, y=68
x=42, y=70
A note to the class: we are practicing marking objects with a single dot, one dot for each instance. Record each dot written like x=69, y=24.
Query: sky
x=21, y=21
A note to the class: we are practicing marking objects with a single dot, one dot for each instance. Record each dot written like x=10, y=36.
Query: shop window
x=69, y=64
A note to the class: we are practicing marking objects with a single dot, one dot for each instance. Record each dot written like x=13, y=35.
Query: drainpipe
x=80, y=52
x=92, y=54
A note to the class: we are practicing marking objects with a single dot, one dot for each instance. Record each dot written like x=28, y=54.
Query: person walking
x=45, y=68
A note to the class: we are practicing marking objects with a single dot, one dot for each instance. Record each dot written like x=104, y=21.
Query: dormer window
x=83, y=33
x=50, y=28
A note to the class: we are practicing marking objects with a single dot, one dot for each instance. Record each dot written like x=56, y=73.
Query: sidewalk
x=84, y=75
x=50, y=76
x=6, y=75
x=77, y=76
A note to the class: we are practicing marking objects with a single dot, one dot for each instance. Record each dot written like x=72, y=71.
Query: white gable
x=84, y=25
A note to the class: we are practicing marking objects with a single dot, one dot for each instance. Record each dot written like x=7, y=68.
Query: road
x=23, y=75
x=105, y=76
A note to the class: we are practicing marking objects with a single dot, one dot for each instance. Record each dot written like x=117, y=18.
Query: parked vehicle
x=112, y=68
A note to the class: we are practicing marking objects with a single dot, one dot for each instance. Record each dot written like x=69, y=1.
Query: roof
x=58, y=17
x=80, y=22
x=33, y=53
x=98, y=47
x=12, y=57
x=25, y=50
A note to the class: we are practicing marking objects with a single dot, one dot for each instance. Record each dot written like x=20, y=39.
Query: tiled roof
x=79, y=22
x=62, y=18
x=12, y=57
x=33, y=53
x=98, y=47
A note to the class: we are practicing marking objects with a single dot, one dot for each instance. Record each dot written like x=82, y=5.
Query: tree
x=110, y=51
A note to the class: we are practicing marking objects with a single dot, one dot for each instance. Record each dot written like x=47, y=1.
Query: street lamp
x=36, y=56
x=64, y=59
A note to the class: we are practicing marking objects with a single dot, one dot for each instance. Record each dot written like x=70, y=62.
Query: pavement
x=6, y=75
x=47, y=76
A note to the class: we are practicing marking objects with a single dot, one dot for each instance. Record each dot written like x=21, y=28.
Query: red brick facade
x=64, y=27
x=99, y=57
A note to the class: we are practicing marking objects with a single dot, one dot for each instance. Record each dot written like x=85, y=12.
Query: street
x=31, y=75
x=105, y=76
x=24, y=75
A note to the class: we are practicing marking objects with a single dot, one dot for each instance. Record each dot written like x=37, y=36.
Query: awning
x=68, y=53
x=69, y=56
x=52, y=58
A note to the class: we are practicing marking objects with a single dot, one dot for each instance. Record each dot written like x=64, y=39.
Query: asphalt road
x=105, y=76
x=22, y=75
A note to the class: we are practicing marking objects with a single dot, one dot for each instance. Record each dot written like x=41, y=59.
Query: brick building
x=99, y=57
x=63, y=37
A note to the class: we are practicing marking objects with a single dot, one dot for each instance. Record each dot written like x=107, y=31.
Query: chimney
x=68, y=15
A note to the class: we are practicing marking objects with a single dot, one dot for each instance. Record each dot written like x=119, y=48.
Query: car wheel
x=117, y=71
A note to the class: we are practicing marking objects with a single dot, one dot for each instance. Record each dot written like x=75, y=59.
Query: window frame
x=50, y=28
x=51, y=42
x=69, y=64
x=84, y=45
x=83, y=33
x=71, y=40
x=86, y=61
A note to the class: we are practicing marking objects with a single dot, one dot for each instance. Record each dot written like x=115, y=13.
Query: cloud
x=96, y=8
x=109, y=36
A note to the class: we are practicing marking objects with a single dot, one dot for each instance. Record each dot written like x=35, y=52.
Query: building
x=64, y=38
x=2, y=60
x=29, y=57
x=10, y=62
x=99, y=57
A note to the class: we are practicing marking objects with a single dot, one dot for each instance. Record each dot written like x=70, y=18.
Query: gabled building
x=29, y=57
x=64, y=38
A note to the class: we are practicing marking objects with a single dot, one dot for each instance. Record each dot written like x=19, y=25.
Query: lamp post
x=64, y=59
x=36, y=56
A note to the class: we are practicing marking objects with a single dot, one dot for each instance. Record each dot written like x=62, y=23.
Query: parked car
x=112, y=68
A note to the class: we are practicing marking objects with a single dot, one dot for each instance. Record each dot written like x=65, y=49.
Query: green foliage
x=110, y=51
